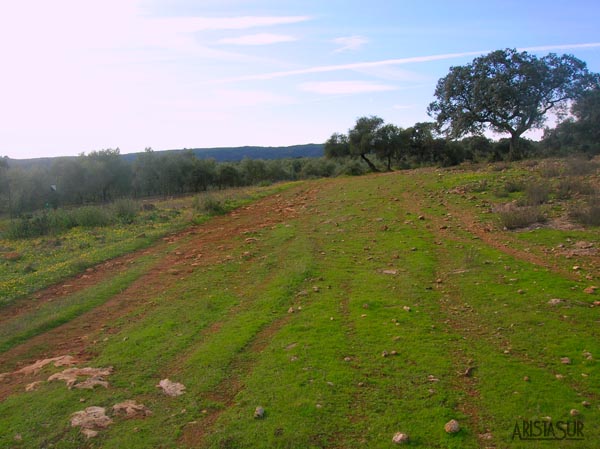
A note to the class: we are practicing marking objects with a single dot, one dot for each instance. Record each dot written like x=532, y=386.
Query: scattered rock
x=521, y=291
x=590, y=290
x=390, y=272
x=384, y=354
x=131, y=409
x=400, y=438
x=555, y=301
x=574, y=412
x=291, y=310
x=65, y=360
x=565, y=360
x=526, y=379
x=95, y=375
x=406, y=308
x=259, y=412
x=33, y=385
x=586, y=404
x=91, y=420
x=486, y=436
x=452, y=426
x=171, y=388
x=432, y=378
x=365, y=306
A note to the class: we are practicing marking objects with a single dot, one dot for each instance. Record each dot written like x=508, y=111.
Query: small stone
x=586, y=404
x=291, y=310
x=347, y=359
x=171, y=388
x=384, y=354
x=394, y=353
x=365, y=306
x=576, y=268
x=18, y=437
x=574, y=412
x=406, y=308
x=521, y=291
x=259, y=412
x=590, y=290
x=555, y=301
x=526, y=378
x=452, y=426
x=565, y=360
x=559, y=376
x=400, y=438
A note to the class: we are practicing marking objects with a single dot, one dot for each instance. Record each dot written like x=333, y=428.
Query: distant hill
x=230, y=154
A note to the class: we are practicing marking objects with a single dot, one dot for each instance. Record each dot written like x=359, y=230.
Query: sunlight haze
x=80, y=76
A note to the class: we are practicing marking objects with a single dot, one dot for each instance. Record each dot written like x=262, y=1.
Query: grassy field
x=349, y=309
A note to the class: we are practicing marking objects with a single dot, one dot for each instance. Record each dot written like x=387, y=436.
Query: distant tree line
x=104, y=176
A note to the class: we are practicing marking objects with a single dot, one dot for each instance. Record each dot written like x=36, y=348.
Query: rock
x=91, y=420
x=400, y=438
x=555, y=301
x=347, y=359
x=565, y=360
x=71, y=377
x=586, y=404
x=390, y=272
x=526, y=378
x=64, y=360
x=171, y=388
x=406, y=308
x=452, y=426
x=259, y=412
x=131, y=409
x=384, y=354
x=33, y=386
x=590, y=290
x=291, y=310
x=574, y=412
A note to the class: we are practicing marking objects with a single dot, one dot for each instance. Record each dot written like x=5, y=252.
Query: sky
x=82, y=75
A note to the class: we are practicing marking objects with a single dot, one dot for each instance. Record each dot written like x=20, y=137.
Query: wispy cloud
x=561, y=47
x=391, y=62
x=349, y=43
x=344, y=87
x=258, y=39
x=191, y=24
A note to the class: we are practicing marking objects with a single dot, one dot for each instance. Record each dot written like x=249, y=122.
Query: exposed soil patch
x=197, y=246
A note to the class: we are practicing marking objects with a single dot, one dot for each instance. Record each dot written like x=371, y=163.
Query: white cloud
x=344, y=87
x=258, y=39
x=349, y=43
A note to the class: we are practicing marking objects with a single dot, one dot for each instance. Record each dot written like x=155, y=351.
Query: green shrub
x=92, y=216
x=209, y=204
x=125, y=210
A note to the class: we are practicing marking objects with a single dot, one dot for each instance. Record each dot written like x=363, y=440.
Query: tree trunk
x=514, y=152
x=369, y=163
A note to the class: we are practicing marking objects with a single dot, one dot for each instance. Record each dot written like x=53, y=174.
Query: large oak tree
x=507, y=92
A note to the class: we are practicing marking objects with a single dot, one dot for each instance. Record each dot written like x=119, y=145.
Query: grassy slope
x=225, y=332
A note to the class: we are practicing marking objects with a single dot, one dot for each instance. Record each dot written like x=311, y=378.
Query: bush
x=536, y=193
x=209, y=205
x=580, y=166
x=569, y=187
x=521, y=217
x=125, y=210
x=589, y=215
x=91, y=216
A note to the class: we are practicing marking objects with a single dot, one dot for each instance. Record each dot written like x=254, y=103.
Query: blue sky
x=79, y=75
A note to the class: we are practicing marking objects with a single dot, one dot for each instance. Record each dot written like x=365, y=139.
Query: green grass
x=47, y=260
x=350, y=266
